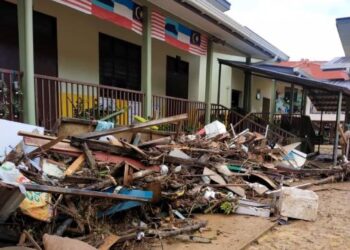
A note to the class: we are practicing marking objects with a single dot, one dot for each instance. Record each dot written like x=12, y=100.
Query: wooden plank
x=45, y=147
x=75, y=166
x=80, y=192
x=109, y=241
x=89, y=157
x=171, y=119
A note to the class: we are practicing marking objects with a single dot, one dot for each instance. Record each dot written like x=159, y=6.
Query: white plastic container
x=298, y=204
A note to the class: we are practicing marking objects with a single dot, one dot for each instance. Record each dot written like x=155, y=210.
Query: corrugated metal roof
x=323, y=94
x=337, y=63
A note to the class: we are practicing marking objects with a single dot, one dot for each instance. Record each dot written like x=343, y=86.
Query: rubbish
x=164, y=169
x=141, y=119
x=10, y=139
x=108, y=242
x=298, y=204
x=113, y=187
x=253, y=208
x=192, y=238
x=10, y=199
x=179, y=154
x=53, y=242
x=104, y=125
x=295, y=159
x=35, y=204
x=215, y=128
x=52, y=168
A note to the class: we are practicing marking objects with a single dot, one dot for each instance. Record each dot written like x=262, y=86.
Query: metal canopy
x=324, y=95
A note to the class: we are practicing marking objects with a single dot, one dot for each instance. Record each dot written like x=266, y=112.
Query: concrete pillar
x=219, y=85
x=146, y=81
x=247, y=88
x=336, y=140
x=208, y=85
x=273, y=100
x=26, y=48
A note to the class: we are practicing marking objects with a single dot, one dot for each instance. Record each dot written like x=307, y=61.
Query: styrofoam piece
x=215, y=128
x=298, y=204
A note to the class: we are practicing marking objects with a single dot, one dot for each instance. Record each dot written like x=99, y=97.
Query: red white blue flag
x=81, y=5
x=178, y=35
x=125, y=13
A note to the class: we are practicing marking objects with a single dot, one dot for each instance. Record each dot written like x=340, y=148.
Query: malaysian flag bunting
x=178, y=35
x=125, y=13
x=81, y=5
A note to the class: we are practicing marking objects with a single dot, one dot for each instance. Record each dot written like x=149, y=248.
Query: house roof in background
x=313, y=69
x=338, y=63
x=343, y=26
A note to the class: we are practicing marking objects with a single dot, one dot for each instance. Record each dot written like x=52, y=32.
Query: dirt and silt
x=331, y=230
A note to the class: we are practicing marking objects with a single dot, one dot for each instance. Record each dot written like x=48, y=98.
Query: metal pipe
x=219, y=84
x=336, y=140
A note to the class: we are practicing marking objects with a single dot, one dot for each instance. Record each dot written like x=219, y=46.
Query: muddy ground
x=330, y=231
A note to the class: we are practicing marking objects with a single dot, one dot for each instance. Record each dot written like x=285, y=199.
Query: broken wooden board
x=108, y=242
x=218, y=179
x=171, y=119
x=80, y=192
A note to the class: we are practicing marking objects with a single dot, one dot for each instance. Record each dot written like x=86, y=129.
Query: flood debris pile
x=129, y=186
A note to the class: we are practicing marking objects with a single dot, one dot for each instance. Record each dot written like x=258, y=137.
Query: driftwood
x=164, y=234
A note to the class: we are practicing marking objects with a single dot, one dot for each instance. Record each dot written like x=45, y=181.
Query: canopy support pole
x=336, y=140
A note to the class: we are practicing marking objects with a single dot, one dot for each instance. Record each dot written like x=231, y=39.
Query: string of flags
x=128, y=14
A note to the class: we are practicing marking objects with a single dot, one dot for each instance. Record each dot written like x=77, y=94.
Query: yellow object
x=142, y=120
x=68, y=99
x=36, y=204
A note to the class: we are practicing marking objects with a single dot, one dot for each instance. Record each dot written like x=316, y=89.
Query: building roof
x=338, y=63
x=324, y=94
x=343, y=26
x=201, y=13
x=314, y=69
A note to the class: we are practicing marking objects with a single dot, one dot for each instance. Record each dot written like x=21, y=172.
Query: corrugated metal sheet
x=10, y=198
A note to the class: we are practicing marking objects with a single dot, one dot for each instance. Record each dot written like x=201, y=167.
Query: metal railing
x=163, y=106
x=229, y=116
x=56, y=97
x=11, y=102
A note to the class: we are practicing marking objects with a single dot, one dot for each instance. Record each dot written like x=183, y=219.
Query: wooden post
x=336, y=140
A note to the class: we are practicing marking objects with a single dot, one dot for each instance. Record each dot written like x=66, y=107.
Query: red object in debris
x=101, y=156
x=201, y=132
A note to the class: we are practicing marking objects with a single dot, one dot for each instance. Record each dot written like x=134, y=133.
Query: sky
x=303, y=29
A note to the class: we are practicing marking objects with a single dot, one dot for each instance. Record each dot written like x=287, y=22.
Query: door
x=235, y=94
x=176, y=85
x=266, y=108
